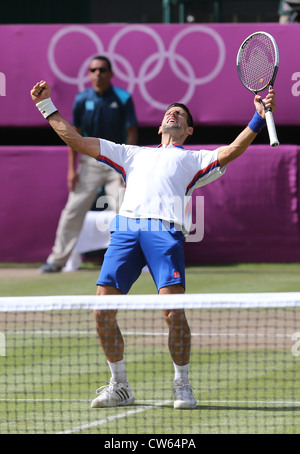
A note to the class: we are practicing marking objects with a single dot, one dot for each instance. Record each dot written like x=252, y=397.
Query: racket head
x=257, y=62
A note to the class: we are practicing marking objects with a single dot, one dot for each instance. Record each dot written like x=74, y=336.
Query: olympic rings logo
x=151, y=66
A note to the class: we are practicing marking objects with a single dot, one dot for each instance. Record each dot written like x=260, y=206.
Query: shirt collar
x=170, y=146
x=106, y=92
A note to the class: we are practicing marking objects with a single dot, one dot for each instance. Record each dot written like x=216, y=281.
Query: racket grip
x=271, y=129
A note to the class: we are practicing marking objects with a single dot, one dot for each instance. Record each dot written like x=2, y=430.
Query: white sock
x=118, y=372
x=181, y=372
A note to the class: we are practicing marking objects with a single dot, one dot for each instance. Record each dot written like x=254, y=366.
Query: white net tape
x=142, y=302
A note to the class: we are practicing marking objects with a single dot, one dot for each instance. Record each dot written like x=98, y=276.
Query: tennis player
x=149, y=230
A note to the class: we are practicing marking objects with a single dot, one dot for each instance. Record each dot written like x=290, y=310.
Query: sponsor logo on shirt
x=89, y=105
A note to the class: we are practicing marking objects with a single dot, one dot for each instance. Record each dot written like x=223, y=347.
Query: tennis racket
x=257, y=65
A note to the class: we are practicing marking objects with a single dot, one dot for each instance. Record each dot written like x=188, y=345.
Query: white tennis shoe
x=184, y=396
x=113, y=395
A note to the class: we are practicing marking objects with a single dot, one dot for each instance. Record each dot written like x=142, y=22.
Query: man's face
x=174, y=119
x=100, y=75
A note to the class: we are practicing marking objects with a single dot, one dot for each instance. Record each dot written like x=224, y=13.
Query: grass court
x=244, y=374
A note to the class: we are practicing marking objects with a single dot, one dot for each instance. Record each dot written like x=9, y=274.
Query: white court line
x=151, y=401
x=43, y=400
x=253, y=402
x=144, y=409
x=113, y=418
x=142, y=333
x=155, y=404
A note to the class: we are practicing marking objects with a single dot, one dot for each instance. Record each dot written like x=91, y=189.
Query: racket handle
x=271, y=129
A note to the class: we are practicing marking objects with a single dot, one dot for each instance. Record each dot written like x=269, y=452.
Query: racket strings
x=257, y=63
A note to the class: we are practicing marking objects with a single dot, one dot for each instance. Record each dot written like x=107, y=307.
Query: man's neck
x=101, y=91
x=167, y=139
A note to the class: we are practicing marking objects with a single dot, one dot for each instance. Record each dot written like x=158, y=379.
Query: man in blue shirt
x=100, y=111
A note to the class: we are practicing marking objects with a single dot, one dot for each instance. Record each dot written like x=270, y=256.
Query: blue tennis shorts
x=139, y=242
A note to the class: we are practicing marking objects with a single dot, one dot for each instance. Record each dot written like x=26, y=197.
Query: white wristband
x=46, y=107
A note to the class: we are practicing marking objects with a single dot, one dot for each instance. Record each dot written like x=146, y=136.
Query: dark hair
x=101, y=57
x=190, y=120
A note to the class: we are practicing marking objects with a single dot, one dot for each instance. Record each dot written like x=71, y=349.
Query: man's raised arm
x=242, y=142
x=40, y=95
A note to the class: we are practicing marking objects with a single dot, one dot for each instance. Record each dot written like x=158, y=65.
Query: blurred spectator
x=289, y=11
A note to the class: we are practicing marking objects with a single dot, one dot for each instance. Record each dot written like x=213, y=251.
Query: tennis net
x=244, y=368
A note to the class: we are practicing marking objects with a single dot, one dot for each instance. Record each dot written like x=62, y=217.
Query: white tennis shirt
x=159, y=181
